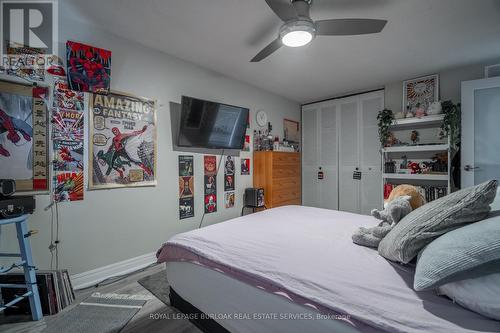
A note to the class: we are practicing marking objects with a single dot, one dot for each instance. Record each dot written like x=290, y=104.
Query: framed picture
x=420, y=92
x=123, y=147
x=24, y=145
x=80, y=58
x=291, y=130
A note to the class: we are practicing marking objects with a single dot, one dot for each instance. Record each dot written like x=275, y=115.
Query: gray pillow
x=464, y=253
x=436, y=218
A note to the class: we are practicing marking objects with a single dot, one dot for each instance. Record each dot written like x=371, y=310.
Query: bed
x=295, y=269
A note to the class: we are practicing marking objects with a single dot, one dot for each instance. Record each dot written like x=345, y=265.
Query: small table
x=253, y=208
x=27, y=263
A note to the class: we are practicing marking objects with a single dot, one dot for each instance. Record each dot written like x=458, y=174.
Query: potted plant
x=451, y=123
x=385, y=119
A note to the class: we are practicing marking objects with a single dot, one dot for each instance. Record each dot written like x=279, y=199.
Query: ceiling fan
x=299, y=29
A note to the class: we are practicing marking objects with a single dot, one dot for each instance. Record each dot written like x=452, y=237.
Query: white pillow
x=481, y=294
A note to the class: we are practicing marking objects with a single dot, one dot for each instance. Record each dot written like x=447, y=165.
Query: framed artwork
x=291, y=130
x=420, y=92
x=24, y=145
x=123, y=147
x=88, y=68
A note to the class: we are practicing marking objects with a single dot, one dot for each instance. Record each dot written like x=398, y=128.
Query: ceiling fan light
x=297, y=33
x=297, y=38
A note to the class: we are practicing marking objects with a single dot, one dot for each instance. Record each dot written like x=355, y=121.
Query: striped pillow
x=436, y=218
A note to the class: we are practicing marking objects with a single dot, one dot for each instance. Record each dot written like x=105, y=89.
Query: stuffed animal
x=401, y=190
x=435, y=108
x=390, y=216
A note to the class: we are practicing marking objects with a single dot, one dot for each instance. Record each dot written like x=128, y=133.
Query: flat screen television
x=206, y=124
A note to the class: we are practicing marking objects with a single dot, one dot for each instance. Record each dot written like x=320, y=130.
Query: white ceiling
x=422, y=36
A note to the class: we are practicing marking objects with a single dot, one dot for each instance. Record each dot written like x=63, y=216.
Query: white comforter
x=309, y=252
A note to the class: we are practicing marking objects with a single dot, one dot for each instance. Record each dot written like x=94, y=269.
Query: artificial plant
x=451, y=123
x=385, y=119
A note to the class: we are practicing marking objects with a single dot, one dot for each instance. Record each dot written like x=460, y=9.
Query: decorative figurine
x=414, y=137
x=419, y=111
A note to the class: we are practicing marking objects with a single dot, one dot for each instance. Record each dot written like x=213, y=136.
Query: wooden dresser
x=279, y=174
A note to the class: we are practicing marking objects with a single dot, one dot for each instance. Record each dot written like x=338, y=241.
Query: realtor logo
x=28, y=24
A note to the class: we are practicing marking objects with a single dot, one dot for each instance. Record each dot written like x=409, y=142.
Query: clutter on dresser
x=264, y=140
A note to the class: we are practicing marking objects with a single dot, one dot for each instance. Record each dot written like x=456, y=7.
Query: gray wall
x=114, y=225
x=449, y=84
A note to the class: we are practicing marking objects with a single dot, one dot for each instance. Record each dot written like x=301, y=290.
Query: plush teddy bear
x=394, y=211
x=416, y=198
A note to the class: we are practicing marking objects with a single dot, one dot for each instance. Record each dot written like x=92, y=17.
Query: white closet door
x=310, y=157
x=328, y=186
x=369, y=154
x=348, y=155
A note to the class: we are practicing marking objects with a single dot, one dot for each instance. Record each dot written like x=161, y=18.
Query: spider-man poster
x=24, y=136
x=65, y=98
x=88, y=68
x=123, y=148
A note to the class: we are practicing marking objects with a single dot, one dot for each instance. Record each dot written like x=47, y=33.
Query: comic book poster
x=229, y=199
x=67, y=125
x=210, y=203
x=24, y=146
x=246, y=145
x=245, y=166
x=123, y=150
x=229, y=173
x=88, y=68
x=65, y=98
x=210, y=183
x=186, y=186
x=68, y=186
x=25, y=62
x=68, y=156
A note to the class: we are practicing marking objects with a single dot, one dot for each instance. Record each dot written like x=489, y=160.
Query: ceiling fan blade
x=342, y=27
x=282, y=8
x=268, y=50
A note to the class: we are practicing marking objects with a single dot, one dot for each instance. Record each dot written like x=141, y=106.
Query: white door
x=349, y=155
x=369, y=152
x=480, y=154
x=328, y=162
x=310, y=157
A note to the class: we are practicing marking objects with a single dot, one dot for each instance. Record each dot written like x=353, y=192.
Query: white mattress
x=307, y=255
x=215, y=293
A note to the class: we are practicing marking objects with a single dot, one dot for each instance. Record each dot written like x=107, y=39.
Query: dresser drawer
x=286, y=171
x=296, y=201
x=281, y=195
x=286, y=159
x=287, y=183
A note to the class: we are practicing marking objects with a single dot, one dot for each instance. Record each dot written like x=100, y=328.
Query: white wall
x=114, y=225
x=449, y=84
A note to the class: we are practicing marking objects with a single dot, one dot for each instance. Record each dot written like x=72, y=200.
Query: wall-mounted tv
x=207, y=124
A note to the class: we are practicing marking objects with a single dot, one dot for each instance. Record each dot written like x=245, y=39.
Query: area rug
x=99, y=313
x=157, y=285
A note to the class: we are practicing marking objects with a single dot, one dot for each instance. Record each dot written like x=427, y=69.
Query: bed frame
x=206, y=325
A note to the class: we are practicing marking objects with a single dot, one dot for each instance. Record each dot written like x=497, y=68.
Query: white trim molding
x=93, y=277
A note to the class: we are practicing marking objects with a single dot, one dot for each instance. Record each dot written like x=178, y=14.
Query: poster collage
x=121, y=140
x=67, y=142
x=186, y=187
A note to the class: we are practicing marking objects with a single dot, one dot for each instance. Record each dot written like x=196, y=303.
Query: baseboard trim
x=94, y=276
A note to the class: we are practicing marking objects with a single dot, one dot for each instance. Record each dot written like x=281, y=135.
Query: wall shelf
x=415, y=123
x=408, y=149
x=430, y=185
x=425, y=176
